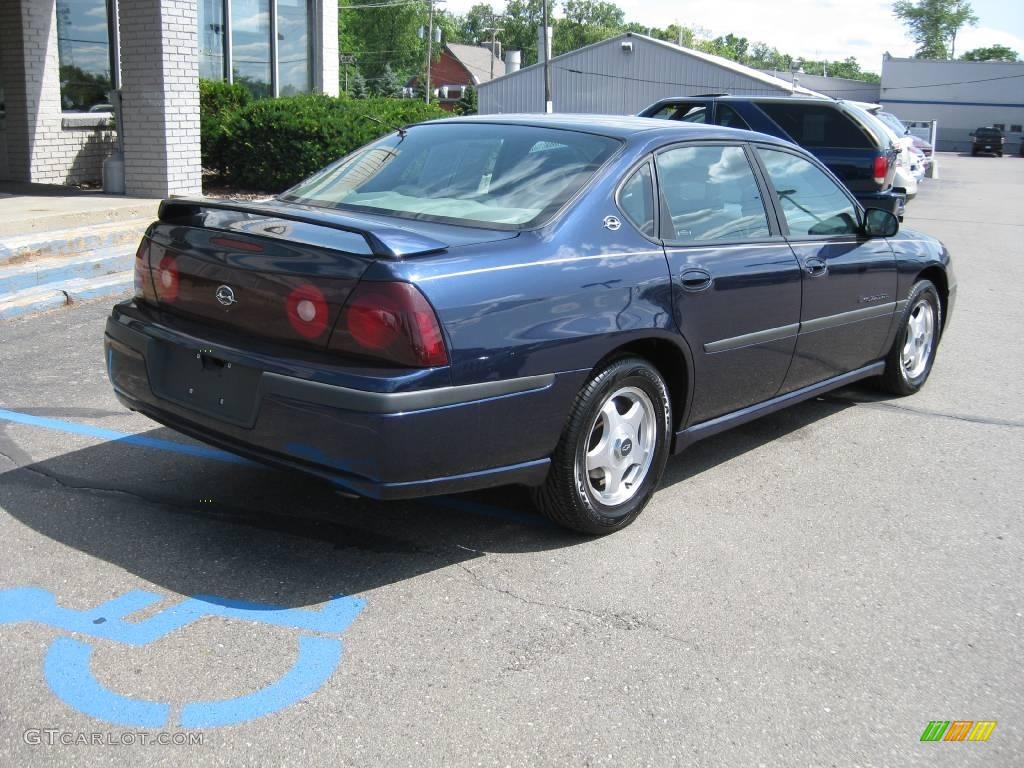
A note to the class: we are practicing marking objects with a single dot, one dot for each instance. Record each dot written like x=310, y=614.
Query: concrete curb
x=53, y=295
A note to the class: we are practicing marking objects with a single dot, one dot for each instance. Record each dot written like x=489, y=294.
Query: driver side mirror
x=879, y=223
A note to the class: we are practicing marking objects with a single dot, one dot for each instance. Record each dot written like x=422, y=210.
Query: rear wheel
x=612, y=452
x=910, y=359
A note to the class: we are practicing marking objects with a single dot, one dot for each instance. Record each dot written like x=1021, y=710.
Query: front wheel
x=910, y=359
x=612, y=452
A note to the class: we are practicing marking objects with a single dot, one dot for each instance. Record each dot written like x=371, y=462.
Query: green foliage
x=217, y=100
x=389, y=84
x=274, y=143
x=386, y=36
x=521, y=20
x=470, y=28
x=992, y=53
x=467, y=105
x=357, y=87
x=585, y=22
x=934, y=24
x=80, y=89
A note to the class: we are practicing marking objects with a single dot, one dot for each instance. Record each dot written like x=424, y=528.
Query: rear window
x=811, y=125
x=989, y=133
x=506, y=176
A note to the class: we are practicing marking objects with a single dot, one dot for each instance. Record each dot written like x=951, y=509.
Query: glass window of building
x=211, y=39
x=237, y=39
x=250, y=46
x=83, y=45
x=293, y=47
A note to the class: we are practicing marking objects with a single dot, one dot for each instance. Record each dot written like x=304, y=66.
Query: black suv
x=988, y=140
x=836, y=132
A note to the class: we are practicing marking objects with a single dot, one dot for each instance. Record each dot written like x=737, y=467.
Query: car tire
x=910, y=359
x=610, y=458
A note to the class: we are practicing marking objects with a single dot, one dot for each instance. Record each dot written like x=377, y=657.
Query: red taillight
x=167, y=279
x=393, y=322
x=307, y=311
x=881, y=169
x=143, y=273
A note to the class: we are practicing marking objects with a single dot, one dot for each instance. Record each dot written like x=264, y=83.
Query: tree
x=934, y=24
x=357, y=86
x=385, y=36
x=992, y=53
x=388, y=83
x=521, y=21
x=586, y=22
x=478, y=18
x=467, y=105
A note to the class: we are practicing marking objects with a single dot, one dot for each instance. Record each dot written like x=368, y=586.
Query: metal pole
x=430, y=50
x=547, y=63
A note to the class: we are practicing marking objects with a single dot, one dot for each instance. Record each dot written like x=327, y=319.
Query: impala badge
x=612, y=223
x=226, y=296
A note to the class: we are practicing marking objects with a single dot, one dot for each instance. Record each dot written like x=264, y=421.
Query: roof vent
x=627, y=46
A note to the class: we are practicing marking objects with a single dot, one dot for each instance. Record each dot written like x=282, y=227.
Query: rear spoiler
x=384, y=240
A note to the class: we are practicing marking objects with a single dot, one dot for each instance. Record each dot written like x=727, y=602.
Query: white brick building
x=60, y=58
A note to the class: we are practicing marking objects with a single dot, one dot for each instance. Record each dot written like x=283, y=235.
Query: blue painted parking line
x=101, y=433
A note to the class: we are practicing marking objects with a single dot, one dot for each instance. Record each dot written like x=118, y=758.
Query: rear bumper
x=380, y=444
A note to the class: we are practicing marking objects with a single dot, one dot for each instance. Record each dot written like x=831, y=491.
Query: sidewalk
x=59, y=245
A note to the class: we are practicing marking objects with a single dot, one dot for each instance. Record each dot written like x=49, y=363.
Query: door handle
x=695, y=280
x=815, y=267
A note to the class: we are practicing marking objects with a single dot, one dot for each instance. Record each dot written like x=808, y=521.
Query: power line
x=959, y=82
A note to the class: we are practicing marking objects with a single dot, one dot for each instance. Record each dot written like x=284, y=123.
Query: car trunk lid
x=274, y=270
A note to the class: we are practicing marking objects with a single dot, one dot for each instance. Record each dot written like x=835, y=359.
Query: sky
x=818, y=29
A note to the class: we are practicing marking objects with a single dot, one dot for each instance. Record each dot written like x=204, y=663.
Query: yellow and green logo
x=958, y=730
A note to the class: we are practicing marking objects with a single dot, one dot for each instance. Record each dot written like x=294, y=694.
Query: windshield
x=507, y=176
x=893, y=122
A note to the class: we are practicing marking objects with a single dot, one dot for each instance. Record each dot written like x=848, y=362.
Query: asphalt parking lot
x=808, y=590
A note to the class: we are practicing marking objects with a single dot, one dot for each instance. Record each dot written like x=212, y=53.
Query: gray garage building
x=960, y=95
x=622, y=75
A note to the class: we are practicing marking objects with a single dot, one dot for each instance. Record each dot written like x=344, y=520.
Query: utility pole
x=430, y=50
x=494, y=32
x=547, y=63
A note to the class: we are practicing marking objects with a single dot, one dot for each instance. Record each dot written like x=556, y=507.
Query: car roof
x=619, y=126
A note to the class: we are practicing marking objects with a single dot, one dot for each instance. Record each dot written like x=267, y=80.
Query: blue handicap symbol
x=69, y=676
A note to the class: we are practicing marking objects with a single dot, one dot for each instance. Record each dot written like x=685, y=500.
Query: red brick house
x=460, y=66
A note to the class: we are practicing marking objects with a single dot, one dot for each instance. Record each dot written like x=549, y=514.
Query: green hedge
x=271, y=144
x=216, y=101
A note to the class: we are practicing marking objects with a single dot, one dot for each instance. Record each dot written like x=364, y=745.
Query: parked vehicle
x=835, y=132
x=924, y=148
x=556, y=301
x=906, y=174
x=919, y=165
x=988, y=140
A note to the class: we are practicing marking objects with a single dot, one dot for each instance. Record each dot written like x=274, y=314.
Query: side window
x=711, y=194
x=687, y=111
x=810, y=125
x=728, y=117
x=636, y=198
x=812, y=203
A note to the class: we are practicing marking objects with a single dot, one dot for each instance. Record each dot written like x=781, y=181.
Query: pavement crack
x=64, y=483
x=984, y=420
x=623, y=621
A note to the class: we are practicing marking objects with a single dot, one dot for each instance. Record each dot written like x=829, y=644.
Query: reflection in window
x=293, y=41
x=83, y=45
x=637, y=200
x=711, y=194
x=812, y=203
x=250, y=45
x=211, y=39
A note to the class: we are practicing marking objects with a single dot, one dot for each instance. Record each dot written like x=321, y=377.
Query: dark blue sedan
x=555, y=301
